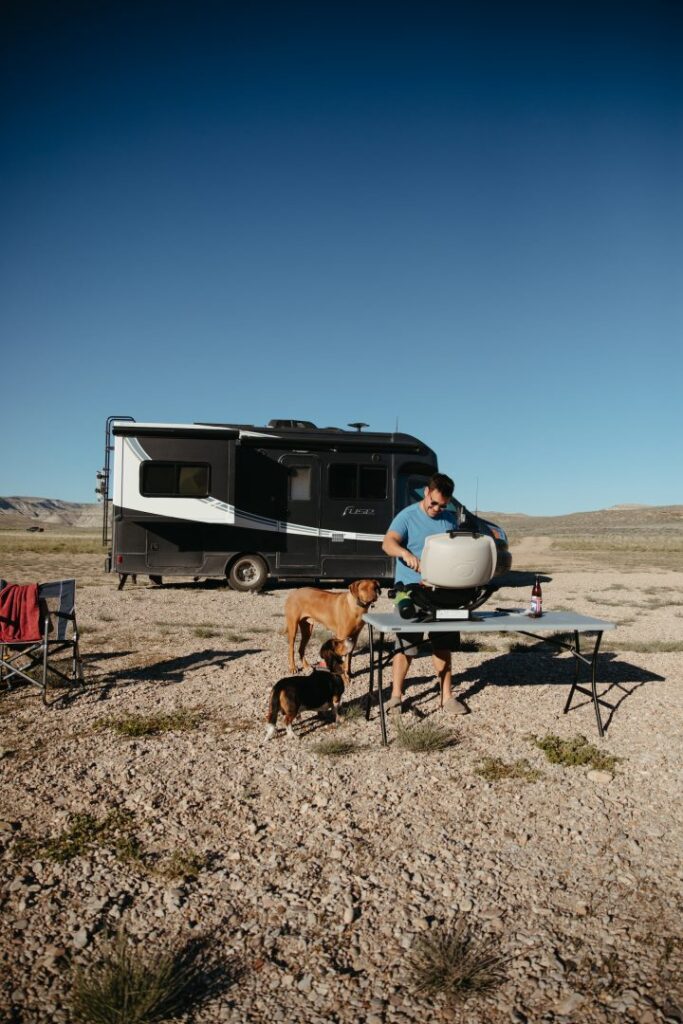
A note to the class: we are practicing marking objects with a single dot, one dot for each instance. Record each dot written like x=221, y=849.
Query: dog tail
x=274, y=705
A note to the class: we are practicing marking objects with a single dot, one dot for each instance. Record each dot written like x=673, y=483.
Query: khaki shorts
x=409, y=643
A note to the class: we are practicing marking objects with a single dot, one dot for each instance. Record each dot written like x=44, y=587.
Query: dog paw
x=270, y=732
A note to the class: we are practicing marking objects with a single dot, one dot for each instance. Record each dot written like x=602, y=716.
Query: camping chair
x=59, y=634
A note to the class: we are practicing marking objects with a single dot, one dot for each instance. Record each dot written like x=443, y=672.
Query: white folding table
x=560, y=629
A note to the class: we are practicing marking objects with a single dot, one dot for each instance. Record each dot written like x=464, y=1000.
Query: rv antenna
x=476, y=499
x=358, y=426
x=396, y=431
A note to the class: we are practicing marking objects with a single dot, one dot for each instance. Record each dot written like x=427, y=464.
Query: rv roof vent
x=292, y=424
x=358, y=426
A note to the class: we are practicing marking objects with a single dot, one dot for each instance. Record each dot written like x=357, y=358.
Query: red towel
x=19, y=613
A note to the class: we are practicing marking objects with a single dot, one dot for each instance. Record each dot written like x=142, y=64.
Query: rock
x=466, y=905
x=596, y=775
x=81, y=938
x=349, y=915
x=305, y=984
x=568, y=1004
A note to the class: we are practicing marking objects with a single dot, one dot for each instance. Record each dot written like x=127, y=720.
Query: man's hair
x=443, y=484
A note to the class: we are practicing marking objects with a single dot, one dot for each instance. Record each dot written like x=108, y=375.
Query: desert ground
x=314, y=879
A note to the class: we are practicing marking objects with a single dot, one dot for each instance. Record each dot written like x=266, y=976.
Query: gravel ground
x=315, y=875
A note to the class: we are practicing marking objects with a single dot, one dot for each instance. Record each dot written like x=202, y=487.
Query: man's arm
x=393, y=545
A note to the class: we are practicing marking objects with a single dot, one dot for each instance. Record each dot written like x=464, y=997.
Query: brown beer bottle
x=536, y=609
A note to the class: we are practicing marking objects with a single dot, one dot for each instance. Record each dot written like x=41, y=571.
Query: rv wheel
x=248, y=572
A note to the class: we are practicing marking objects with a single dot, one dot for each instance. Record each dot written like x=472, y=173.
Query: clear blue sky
x=468, y=216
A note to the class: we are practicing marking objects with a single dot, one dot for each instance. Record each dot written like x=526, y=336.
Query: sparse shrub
x=182, y=863
x=152, y=725
x=114, y=831
x=448, y=961
x=205, y=632
x=576, y=751
x=335, y=747
x=493, y=770
x=424, y=736
x=127, y=987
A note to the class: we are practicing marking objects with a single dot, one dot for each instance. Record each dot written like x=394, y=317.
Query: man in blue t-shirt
x=404, y=541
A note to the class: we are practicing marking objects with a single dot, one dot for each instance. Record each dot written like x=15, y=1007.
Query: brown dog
x=323, y=686
x=342, y=613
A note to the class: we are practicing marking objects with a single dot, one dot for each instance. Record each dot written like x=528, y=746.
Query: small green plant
x=351, y=713
x=127, y=987
x=448, y=961
x=205, y=632
x=576, y=751
x=424, y=736
x=152, y=725
x=494, y=770
x=114, y=831
x=182, y=863
x=335, y=747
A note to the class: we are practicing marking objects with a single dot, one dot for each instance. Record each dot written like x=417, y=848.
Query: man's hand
x=412, y=561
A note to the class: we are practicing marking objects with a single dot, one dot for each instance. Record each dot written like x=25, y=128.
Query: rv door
x=301, y=547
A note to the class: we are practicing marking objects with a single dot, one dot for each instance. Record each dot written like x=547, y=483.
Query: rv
x=248, y=503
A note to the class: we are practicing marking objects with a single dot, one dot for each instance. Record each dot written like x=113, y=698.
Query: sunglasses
x=437, y=504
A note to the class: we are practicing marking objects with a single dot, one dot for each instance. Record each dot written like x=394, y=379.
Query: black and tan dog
x=324, y=685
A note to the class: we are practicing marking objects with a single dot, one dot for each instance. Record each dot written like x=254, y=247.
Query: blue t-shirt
x=413, y=526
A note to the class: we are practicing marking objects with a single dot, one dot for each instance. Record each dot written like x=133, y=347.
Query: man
x=404, y=541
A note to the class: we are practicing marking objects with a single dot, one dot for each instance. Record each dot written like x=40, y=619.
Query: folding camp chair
x=59, y=634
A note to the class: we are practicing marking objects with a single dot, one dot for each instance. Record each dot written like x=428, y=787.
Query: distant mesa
x=24, y=512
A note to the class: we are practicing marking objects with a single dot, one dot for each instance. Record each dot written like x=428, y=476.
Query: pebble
x=349, y=915
x=81, y=938
x=596, y=775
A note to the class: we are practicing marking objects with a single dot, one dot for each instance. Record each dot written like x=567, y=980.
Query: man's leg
x=399, y=671
x=442, y=664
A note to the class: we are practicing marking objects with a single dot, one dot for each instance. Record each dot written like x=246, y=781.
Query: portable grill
x=456, y=568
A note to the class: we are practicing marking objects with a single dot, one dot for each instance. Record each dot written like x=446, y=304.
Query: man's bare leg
x=399, y=671
x=442, y=665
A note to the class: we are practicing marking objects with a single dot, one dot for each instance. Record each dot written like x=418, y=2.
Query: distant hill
x=618, y=519
x=50, y=513
x=18, y=513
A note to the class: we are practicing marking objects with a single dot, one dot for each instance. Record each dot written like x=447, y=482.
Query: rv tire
x=247, y=573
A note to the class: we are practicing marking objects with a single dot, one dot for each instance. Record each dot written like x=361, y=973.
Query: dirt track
x=318, y=874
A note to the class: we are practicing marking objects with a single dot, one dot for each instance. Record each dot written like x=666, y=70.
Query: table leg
x=371, y=683
x=382, y=713
x=593, y=684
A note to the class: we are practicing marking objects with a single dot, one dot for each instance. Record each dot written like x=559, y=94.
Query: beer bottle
x=536, y=609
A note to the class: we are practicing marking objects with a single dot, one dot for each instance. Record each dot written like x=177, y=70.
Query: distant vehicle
x=289, y=500
x=35, y=529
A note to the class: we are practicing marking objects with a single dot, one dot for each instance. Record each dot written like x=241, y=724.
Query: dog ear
x=353, y=587
x=379, y=589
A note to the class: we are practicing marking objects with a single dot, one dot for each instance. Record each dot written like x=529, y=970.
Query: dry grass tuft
x=126, y=987
x=152, y=725
x=494, y=770
x=448, y=961
x=424, y=736
x=335, y=747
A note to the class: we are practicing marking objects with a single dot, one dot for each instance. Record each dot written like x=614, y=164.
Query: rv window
x=373, y=483
x=349, y=481
x=300, y=483
x=342, y=480
x=174, y=480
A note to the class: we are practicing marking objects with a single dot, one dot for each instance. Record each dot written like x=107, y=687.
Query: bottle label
x=535, y=609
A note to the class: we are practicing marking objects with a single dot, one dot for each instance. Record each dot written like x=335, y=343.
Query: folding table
x=560, y=629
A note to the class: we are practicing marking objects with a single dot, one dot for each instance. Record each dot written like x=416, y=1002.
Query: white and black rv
x=289, y=500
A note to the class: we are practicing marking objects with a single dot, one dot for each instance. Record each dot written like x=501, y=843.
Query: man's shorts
x=409, y=643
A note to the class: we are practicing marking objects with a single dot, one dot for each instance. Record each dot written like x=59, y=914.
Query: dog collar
x=364, y=604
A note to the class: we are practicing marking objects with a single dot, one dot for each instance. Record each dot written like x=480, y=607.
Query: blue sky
x=468, y=217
